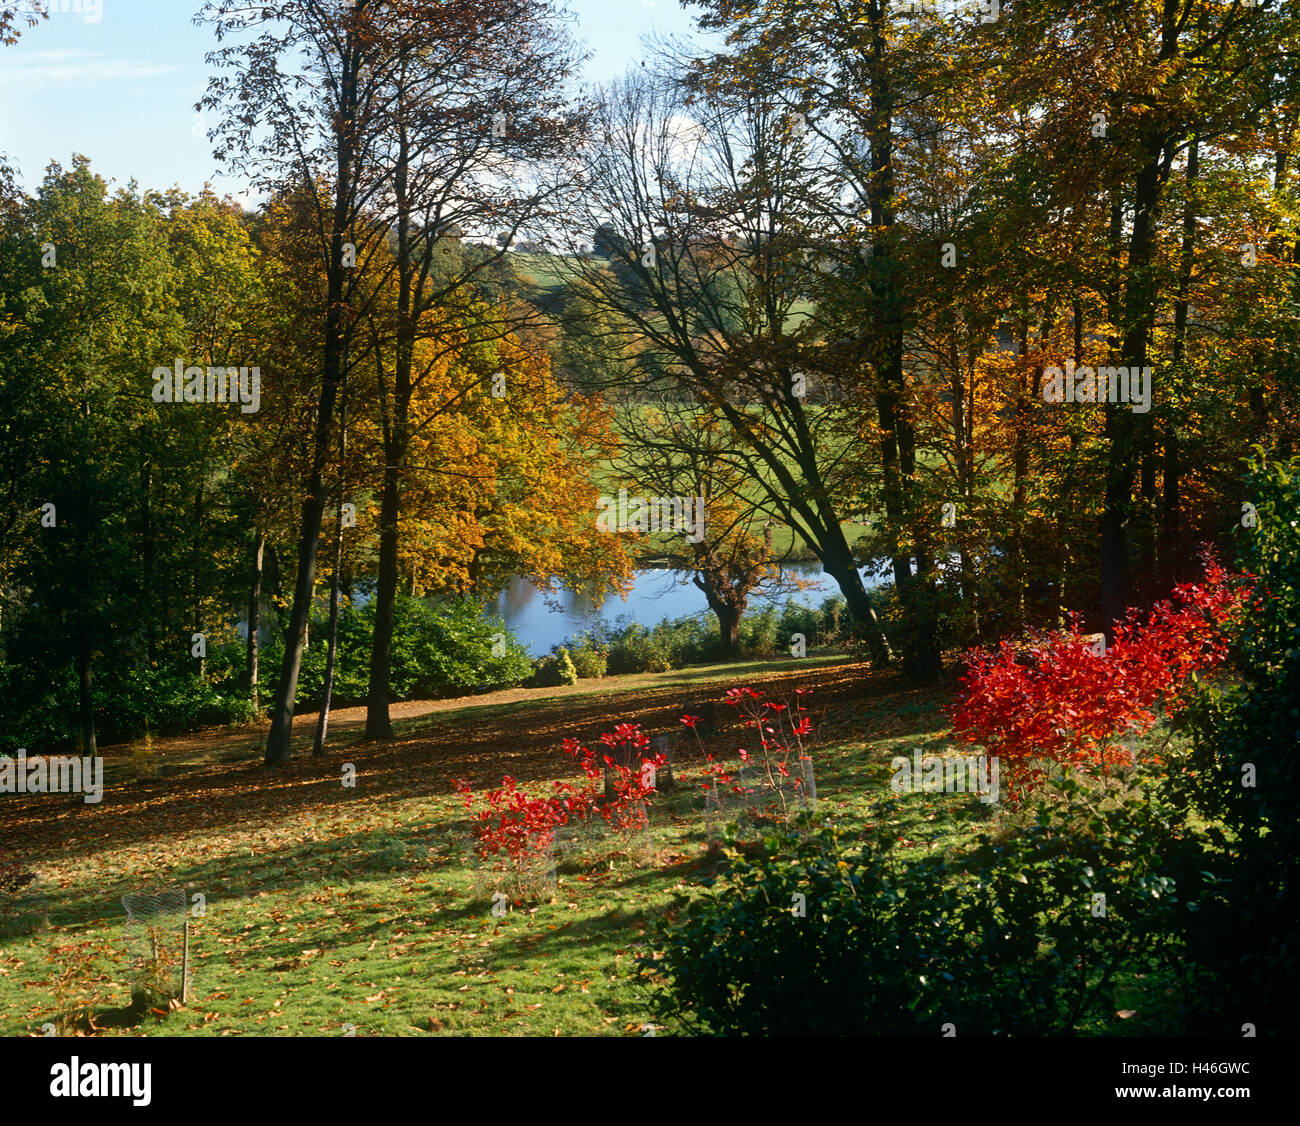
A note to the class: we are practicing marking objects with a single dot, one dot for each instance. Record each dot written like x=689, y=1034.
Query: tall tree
x=306, y=106
x=708, y=290
x=475, y=98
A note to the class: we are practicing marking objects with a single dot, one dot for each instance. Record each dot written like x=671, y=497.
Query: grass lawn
x=335, y=910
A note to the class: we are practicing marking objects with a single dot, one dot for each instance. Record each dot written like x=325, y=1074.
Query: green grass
x=360, y=913
x=364, y=913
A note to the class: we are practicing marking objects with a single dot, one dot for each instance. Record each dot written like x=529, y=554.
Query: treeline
x=1021, y=287
x=1019, y=280
x=139, y=532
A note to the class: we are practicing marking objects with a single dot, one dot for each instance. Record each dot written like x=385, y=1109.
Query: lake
x=657, y=595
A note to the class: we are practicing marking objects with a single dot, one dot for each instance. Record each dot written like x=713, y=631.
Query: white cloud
x=59, y=55
x=73, y=66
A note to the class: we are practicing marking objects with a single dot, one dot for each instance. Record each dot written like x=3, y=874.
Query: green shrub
x=41, y=710
x=590, y=658
x=1247, y=930
x=638, y=649
x=740, y=960
x=439, y=649
x=554, y=670
x=568, y=674
x=629, y=647
x=1002, y=940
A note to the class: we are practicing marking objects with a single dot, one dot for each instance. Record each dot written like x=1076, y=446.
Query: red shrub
x=513, y=824
x=1068, y=705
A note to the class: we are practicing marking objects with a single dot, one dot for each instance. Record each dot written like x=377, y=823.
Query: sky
x=117, y=80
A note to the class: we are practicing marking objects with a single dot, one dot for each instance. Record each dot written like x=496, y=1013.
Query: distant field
x=545, y=271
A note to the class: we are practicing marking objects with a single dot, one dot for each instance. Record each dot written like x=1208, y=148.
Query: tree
x=718, y=535
x=839, y=77
x=91, y=297
x=11, y=26
x=712, y=242
x=462, y=129
x=320, y=125
x=1168, y=73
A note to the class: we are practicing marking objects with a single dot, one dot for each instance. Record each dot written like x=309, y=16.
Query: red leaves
x=1068, y=705
x=769, y=718
x=518, y=825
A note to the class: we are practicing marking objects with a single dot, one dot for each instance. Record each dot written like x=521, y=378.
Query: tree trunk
x=728, y=627
x=148, y=556
x=898, y=444
x=1020, y=474
x=194, y=572
x=86, y=697
x=1171, y=470
x=253, y=645
x=842, y=569
x=278, y=740
x=379, y=725
x=327, y=692
x=1121, y=427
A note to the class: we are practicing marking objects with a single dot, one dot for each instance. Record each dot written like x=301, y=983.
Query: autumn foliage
x=1061, y=702
x=512, y=825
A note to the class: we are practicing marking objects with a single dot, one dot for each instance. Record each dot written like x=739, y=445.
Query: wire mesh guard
x=758, y=794
x=158, y=942
x=529, y=874
x=586, y=841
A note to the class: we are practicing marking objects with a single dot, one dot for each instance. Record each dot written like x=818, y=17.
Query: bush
x=1003, y=940
x=1248, y=928
x=628, y=647
x=1066, y=704
x=741, y=960
x=41, y=709
x=590, y=659
x=554, y=670
x=517, y=829
x=439, y=649
x=638, y=649
x=568, y=674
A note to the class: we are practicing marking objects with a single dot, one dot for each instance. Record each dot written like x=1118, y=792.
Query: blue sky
x=121, y=88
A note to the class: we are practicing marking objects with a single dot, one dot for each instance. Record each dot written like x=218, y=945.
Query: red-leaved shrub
x=1064, y=703
x=520, y=828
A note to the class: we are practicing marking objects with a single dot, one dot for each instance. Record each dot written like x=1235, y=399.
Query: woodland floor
x=360, y=911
